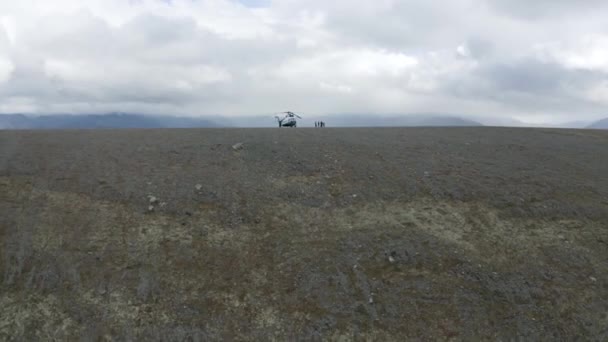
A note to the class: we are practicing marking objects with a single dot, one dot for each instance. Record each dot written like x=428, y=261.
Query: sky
x=542, y=61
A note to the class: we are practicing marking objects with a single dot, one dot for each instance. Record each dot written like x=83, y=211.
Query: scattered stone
x=163, y=204
x=198, y=187
x=151, y=208
x=392, y=257
x=237, y=147
x=593, y=279
x=561, y=237
x=371, y=300
x=355, y=196
x=152, y=199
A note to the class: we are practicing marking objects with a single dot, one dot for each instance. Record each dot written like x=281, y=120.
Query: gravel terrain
x=304, y=234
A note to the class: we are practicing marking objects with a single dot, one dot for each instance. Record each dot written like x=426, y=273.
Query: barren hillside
x=304, y=234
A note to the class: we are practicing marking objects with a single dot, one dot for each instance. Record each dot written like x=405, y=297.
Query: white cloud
x=6, y=65
x=336, y=88
x=590, y=52
x=6, y=68
x=221, y=57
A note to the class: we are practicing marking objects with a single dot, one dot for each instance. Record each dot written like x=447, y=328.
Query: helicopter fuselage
x=288, y=119
x=289, y=123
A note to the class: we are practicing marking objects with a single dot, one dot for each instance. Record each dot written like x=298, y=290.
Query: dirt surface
x=304, y=234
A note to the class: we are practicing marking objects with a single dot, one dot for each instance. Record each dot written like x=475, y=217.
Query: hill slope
x=304, y=234
x=123, y=120
x=601, y=124
x=411, y=120
x=115, y=120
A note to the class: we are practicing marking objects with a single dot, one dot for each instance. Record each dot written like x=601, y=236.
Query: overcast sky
x=542, y=61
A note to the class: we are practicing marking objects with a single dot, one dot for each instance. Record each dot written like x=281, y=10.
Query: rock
x=392, y=257
x=151, y=208
x=371, y=300
x=198, y=187
x=152, y=199
x=593, y=279
x=237, y=147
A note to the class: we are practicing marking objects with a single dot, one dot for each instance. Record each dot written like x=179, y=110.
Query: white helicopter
x=288, y=119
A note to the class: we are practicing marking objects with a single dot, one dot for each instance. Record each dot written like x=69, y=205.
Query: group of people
x=319, y=123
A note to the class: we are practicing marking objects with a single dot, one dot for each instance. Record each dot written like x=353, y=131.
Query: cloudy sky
x=542, y=61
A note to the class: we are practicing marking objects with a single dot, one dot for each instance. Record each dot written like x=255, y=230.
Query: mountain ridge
x=93, y=121
x=132, y=120
x=599, y=124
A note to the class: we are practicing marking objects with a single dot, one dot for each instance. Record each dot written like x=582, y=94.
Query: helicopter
x=288, y=119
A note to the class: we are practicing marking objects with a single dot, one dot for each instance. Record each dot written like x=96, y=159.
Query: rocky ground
x=304, y=234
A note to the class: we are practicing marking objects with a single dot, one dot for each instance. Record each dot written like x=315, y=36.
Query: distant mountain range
x=113, y=120
x=127, y=120
x=124, y=120
x=601, y=124
x=410, y=120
